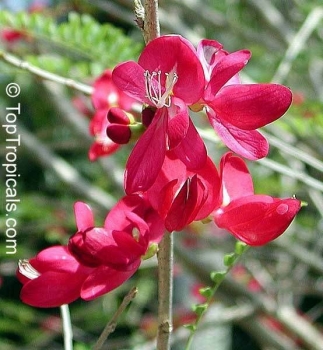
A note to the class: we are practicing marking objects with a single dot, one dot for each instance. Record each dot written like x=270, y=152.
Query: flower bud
x=118, y=133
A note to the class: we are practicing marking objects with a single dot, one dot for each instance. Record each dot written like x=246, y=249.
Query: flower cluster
x=170, y=180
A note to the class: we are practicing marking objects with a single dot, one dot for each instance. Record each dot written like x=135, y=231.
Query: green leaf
x=206, y=292
x=81, y=40
x=229, y=259
x=199, y=309
x=191, y=327
x=217, y=276
x=240, y=248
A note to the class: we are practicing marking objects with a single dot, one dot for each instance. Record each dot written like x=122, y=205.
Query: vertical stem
x=151, y=21
x=165, y=291
x=67, y=327
x=165, y=254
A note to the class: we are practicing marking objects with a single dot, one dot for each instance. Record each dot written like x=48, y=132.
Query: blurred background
x=272, y=299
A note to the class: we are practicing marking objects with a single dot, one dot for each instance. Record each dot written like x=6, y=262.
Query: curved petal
x=251, y=106
x=236, y=179
x=146, y=158
x=56, y=258
x=209, y=53
x=103, y=280
x=211, y=181
x=52, y=289
x=130, y=78
x=249, y=144
x=83, y=216
x=257, y=220
x=192, y=151
x=178, y=122
x=173, y=53
x=226, y=68
x=186, y=204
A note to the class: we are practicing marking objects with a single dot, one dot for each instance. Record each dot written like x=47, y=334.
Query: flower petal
x=192, y=151
x=83, y=216
x=257, y=220
x=103, y=280
x=178, y=122
x=146, y=158
x=52, y=289
x=235, y=177
x=226, y=68
x=130, y=78
x=56, y=258
x=251, y=106
x=173, y=53
x=249, y=144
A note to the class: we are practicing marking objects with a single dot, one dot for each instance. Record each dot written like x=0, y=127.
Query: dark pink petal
x=251, y=106
x=52, y=289
x=173, y=53
x=258, y=219
x=211, y=181
x=209, y=53
x=106, y=94
x=56, y=258
x=83, y=216
x=249, y=144
x=146, y=158
x=178, y=122
x=130, y=78
x=226, y=68
x=118, y=217
x=192, y=151
x=104, y=280
x=235, y=177
x=185, y=205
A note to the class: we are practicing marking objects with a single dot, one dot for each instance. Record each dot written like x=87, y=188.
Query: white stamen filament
x=154, y=88
x=26, y=269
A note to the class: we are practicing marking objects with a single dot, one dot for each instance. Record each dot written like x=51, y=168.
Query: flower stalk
x=67, y=327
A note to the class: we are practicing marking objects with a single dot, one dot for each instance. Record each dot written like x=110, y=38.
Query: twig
x=151, y=22
x=67, y=327
x=110, y=327
x=165, y=291
x=298, y=43
x=16, y=62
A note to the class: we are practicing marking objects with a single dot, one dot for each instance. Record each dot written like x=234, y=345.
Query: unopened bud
x=118, y=116
x=119, y=133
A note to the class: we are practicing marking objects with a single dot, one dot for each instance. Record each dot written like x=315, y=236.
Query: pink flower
x=181, y=196
x=105, y=96
x=167, y=77
x=102, y=145
x=236, y=110
x=97, y=259
x=253, y=219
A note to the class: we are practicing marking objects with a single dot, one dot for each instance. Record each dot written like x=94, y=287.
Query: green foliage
x=78, y=47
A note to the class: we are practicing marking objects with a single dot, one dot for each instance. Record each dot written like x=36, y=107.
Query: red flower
x=181, y=196
x=167, y=77
x=236, y=110
x=254, y=219
x=97, y=259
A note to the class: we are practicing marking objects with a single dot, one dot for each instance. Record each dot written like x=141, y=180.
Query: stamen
x=154, y=89
x=27, y=270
